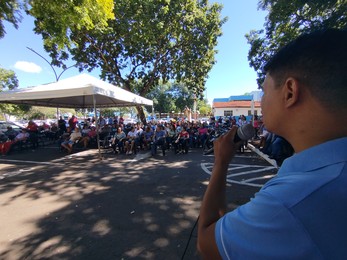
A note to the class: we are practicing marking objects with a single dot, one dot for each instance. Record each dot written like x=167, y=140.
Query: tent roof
x=74, y=92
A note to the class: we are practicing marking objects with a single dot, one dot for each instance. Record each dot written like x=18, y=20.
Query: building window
x=250, y=112
x=228, y=113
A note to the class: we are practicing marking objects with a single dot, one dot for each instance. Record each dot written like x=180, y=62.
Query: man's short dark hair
x=317, y=60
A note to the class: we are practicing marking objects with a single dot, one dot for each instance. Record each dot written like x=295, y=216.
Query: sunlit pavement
x=91, y=205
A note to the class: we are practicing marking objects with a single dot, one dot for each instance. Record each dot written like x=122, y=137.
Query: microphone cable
x=190, y=237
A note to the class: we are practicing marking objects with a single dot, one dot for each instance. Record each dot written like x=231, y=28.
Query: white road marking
x=30, y=162
x=141, y=156
x=252, y=171
x=24, y=170
x=264, y=156
x=14, y=173
x=234, y=171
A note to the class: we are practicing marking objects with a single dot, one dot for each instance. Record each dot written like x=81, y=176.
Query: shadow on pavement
x=84, y=208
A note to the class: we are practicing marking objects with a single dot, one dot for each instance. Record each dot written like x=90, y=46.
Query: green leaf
x=286, y=21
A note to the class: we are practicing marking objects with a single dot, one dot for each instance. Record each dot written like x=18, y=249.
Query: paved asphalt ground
x=87, y=206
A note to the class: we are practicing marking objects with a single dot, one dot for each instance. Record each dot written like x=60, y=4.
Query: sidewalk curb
x=263, y=155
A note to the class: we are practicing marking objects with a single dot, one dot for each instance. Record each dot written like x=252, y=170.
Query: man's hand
x=224, y=147
x=214, y=202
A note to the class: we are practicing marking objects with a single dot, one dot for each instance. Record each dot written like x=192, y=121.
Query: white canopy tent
x=82, y=91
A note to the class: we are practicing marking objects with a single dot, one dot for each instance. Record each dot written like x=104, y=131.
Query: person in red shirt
x=73, y=122
x=182, y=142
x=33, y=130
x=203, y=132
x=88, y=136
x=32, y=126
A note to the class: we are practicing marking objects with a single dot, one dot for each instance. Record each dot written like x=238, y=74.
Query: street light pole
x=194, y=107
x=57, y=77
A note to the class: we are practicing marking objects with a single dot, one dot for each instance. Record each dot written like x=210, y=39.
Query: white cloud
x=27, y=67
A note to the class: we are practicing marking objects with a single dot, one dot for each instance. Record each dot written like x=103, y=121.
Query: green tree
x=9, y=81
x=10, y=12
x=203, y=107
x=176, y=97
x=148, y=41
x=163, y=101
x=43, y=113
x=183, y=97
x=287, y=20
x=56, y=20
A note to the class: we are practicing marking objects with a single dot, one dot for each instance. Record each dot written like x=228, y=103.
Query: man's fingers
x=230, y=134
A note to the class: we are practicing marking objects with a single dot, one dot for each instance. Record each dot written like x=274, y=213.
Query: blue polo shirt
x=160, y=134
x=299, y=214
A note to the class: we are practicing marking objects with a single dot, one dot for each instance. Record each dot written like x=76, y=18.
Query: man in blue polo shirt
x=302, y=212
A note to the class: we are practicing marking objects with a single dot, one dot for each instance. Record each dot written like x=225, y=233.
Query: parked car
x=204, y=120
x=130, y=120
x=5, y=124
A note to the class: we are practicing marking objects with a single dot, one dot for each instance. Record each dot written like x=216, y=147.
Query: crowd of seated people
x=24, y=137
x=128, y=139
x=275, y=146
x=179, y=136
x=132, y=137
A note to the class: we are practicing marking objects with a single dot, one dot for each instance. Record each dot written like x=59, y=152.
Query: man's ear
x=291, y=92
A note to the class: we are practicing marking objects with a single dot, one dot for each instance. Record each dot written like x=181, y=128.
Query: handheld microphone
x=243, y=133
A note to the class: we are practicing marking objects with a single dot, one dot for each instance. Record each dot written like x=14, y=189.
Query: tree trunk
x=141, y=114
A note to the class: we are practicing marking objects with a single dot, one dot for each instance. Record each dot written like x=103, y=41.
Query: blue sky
x=231, y=75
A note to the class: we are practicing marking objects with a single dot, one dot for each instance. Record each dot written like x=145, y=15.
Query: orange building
x=236, y=106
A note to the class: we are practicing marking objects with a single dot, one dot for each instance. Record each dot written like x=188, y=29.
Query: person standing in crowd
x=3, y=137
x=242, y=120
x=61, y=125
x=301, y=213
x=256, y=125
x=11, y=133
x=203, y=132
x=121, y=120
x=73, y=122
x=33, y=130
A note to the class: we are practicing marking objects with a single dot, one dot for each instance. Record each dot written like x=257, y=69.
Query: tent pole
x=97, y=127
